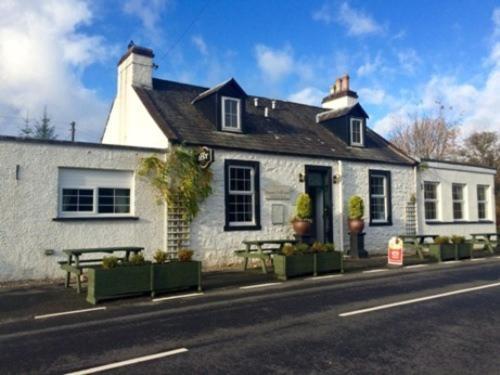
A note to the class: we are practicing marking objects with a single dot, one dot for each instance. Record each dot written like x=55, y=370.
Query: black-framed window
x=242, y=195
x=431, y=200
x=113, y=201
x=77, y=200
x=457, y=192
x=380, y=197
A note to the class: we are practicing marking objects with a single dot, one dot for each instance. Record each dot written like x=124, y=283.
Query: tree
x=41, y=130
x=483, y=148
x=427, y=135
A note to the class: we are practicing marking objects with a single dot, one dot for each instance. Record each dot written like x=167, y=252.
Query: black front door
x=319, y=188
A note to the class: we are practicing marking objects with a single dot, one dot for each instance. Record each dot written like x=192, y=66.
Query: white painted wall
x=446, y=174
x=28, y=205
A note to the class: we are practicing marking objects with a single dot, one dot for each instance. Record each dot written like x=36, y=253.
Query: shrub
x=329, y=246
x=301, y=248
x=185, y=255
x=442, y=240
x=109, y=262
x=160, y=256
x=356, y=207
x=288, y=250
x=136, y=259
x=318, y=247
x=457, y=239
x=303, y=207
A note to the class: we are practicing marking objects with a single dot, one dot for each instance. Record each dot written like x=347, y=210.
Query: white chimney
x=266, y=112
x=273, y=104
x=341, y=95
x=135, y=68
x=256, y=102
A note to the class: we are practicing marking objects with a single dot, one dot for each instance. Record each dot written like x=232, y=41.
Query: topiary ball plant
x=356, y=210
x=302, y=220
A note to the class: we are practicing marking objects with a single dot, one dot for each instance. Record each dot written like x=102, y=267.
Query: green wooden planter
x=118, y=282
x=442, y=252
x=175, y=276
x=330, y=261
x=293, y=265
x=464, y=250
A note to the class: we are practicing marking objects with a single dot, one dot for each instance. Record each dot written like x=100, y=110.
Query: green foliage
x=330, y=246
x=457, y=240
x=303, y=207
x=185, y=255
x=318, y=247
x=160, y=256
x=442, y=240
x=137, y=259
x=109, y=262
x=179, y=180
x=356, y=207
x=301, y=248
x=288, y=250
x=41, y=130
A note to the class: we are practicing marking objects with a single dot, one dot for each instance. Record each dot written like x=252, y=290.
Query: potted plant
x=442, y=249
x=115, y=278
x=182, y=273
x=294, y=260
x=356, y=211
x=302, y=220
x=326, y=259
x=463, y=249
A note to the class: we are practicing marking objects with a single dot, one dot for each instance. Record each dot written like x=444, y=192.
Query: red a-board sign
x=395, y=252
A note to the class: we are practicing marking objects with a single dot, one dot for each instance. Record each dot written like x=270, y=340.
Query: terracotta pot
x=356, y=225
x=301, y=227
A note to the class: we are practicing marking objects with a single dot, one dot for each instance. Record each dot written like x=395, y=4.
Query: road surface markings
x=177, y=297
x=69, y=312
x=324, y=277
x=416, y=300
x=128, y=362
x=477, y=259
x=451, y=261
x=498, y=257
x=376, y=270
x=416, y=266
x=258, y=286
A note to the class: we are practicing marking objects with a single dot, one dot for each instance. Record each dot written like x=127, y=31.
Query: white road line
x=376, y=270
x=498, y=257
x=421, y=299
x=416, y=266
x=177, y=297
x=258, y=286
x=93, y=370
x=69, y=312
x=450, y=261
x=325, y=277
x=477, y=259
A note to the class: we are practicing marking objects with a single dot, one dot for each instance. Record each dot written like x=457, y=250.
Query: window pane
x=457, y=210
x=481, y=208
x=430, y=191
x=457, y=192
x=77, y=200
x=105, y=209
x=430, y=211
x=114, y=201
x=105, y=192
x=481, y=193
x=377, y=208
x=377, y=185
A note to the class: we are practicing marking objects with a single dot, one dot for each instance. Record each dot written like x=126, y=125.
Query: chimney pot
x=345, y=83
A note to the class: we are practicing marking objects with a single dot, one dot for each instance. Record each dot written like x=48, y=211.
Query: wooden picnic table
x=256, y=249
x=76, y=265
x=486, y=239
x=417, y=241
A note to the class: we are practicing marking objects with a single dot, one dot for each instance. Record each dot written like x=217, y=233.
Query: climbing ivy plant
x=179, y=180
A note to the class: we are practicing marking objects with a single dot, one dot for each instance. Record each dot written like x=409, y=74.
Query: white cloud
x=409, y=60
x=372, y=96
x=357, y=22
x=308, y=95
x=42, y=56
x=370, y=66
x=200, y=44
x=274, y=63
x=148, y=11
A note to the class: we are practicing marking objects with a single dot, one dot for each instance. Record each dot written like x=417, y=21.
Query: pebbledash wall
x=29, y=202
x=280, y=174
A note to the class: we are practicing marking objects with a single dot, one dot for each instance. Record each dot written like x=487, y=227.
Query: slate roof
x=331, y=114
x=290, y=129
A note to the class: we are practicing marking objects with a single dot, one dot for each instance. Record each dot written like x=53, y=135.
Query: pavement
x=435, y=318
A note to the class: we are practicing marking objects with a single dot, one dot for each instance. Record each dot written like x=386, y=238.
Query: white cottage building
x=266, y=151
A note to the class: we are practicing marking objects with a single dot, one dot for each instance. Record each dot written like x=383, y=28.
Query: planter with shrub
x=463, y=249
x=302, y=221
x=326, y=259
x=442, y=249
x=183, y=273
x=115, y=279
x=356, y=210
x=294, y=260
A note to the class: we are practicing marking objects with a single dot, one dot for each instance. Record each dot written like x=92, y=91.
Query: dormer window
x=231, y=114
x=357, y=132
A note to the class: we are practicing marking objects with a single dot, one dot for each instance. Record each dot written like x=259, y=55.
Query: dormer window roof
x=231, y=114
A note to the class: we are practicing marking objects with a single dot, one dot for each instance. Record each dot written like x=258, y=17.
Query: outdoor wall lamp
x=336, y=178
x=301, y=177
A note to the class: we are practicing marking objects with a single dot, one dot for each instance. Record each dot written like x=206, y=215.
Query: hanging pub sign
x=395, y=252
x=205, y=157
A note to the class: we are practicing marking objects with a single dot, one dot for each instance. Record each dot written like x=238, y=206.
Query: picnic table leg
x=78, y=283
x=262, y=259
x=490, y=246
x=68, y=274
x=245, y=259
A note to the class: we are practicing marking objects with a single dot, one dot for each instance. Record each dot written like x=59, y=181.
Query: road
x=297, y=327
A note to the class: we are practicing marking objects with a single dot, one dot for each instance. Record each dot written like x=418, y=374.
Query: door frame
x=328, y=170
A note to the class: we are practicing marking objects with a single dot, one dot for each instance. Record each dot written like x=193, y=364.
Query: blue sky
x=402, y=56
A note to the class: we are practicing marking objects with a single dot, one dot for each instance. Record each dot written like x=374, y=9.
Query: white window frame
x=361, y=131
x=435, y=200
x=485, y=202
x=384, y=196
x=461, y=201
x=243, y=192
x=238, y=114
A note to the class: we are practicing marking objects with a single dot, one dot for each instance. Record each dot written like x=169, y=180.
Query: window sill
x=228, y=228
x=458, y=222
x=380, y=224
x=97, y=218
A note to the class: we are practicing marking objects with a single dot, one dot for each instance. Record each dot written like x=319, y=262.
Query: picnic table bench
x=417, y=241
x=257, y=249
x=487, y=240
x=75, y=265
